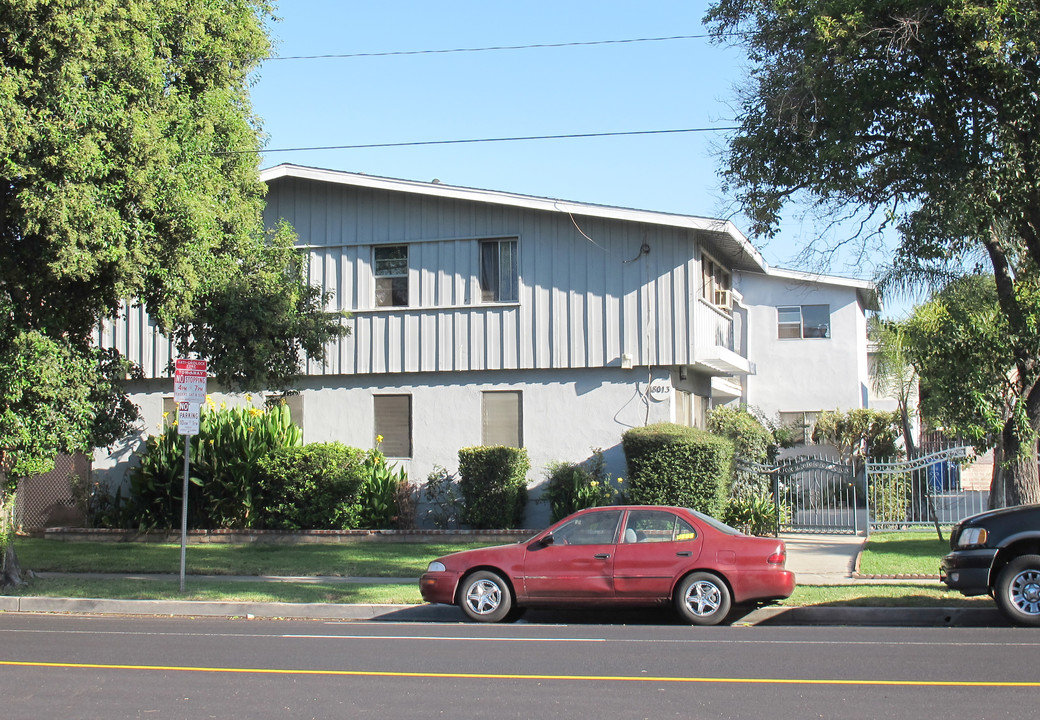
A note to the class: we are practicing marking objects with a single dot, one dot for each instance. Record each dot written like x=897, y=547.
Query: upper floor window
x=716, y=283
x=391, y=271
x=499, y=271
x=803, y=321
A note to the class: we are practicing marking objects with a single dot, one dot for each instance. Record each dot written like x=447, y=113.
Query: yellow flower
x=379, y=439
x=166, y=414
x=249, y=398
x=250, y=428
x=594, y=483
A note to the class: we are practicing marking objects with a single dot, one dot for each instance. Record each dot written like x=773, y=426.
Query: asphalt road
x=54, y=666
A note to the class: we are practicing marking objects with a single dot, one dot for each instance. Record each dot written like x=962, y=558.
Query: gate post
x=866, y=499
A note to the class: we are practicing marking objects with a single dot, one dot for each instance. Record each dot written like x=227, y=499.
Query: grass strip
x=360, y=559
x=903, y=553
x=216, y=591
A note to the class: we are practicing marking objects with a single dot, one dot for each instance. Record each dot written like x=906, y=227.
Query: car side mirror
x=548, y=540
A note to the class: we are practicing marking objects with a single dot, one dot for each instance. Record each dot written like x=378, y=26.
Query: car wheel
x=702, y=599
x=485, y=597
x=1018, y=590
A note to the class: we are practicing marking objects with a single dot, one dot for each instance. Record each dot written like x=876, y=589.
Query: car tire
x=702, y=598
x=485, y=597
x=1017, y=591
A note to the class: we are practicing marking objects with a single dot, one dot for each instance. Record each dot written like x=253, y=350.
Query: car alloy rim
x=484, y=597
x=703, y=598
x=1025, y=592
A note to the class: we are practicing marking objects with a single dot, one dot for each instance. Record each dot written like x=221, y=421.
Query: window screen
x=393, y=421
x=499, y=271
x=391, y=271
x=502, y=419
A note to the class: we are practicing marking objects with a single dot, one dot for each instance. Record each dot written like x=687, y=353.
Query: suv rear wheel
x=1017, y=591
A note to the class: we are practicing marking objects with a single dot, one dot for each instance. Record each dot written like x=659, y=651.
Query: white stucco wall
x=805, y=374
x=566, y=416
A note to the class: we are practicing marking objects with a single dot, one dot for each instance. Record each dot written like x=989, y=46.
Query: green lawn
x=361, y=559
x=886, y=553
x=903, y=553
x=226, y=591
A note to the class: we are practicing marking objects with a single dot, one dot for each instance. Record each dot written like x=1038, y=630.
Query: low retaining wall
x=286, y=537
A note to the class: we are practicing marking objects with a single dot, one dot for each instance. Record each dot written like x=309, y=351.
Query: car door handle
x=602, y=556
x=684, y=553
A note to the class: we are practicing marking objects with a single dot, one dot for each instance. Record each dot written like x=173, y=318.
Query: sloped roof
x=728, y=240
x=865, y=289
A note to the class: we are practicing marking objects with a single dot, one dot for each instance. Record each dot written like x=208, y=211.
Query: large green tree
x=923, y=116
x=128, y=172
x=959, y=343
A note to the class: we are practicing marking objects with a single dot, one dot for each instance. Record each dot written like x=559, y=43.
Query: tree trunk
x=997, y=494
x=10, y=570
x=1021, y=477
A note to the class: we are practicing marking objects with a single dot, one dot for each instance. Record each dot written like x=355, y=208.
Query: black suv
x=998, y=553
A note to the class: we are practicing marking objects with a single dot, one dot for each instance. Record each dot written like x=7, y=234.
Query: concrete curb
x=767, y=616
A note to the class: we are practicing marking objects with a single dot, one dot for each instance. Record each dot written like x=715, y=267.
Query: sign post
x=189, y=392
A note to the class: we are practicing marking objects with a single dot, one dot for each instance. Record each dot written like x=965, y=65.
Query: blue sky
x=637, y=86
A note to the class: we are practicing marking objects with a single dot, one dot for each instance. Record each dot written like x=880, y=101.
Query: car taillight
x=777, y=558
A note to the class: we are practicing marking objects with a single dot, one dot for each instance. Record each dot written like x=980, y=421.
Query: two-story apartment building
x=483, y=317
x=807, y=335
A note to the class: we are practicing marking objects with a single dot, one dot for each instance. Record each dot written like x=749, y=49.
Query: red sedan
x=631, y=555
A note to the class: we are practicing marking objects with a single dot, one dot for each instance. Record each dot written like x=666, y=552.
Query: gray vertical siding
x=582, y=303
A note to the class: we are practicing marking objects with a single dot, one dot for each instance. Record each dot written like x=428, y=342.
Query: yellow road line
x=497, y=676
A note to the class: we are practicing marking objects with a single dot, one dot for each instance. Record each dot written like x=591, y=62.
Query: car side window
x=656, y=526
x=598, y=528
x=683, y=530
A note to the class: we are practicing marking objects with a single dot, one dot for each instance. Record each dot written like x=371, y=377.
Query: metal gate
x=813, y=494
x=920, y=492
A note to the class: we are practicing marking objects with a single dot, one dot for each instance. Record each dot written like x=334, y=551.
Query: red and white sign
x=189, y=381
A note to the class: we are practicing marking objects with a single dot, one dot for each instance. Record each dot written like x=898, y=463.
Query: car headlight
x=436, y=566
x=972, y=536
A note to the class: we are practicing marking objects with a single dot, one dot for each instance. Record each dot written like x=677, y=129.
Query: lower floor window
x=502, y=421
x=800, y=425
x=691, y=410
x=393, y=423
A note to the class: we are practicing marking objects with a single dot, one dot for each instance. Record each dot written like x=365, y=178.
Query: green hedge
x=493, y=483
x=314, y=487
x=672, y=464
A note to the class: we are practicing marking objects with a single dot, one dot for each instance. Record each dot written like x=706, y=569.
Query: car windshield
x=717, y=524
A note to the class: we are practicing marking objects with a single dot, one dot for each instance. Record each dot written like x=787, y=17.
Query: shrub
x=224, y=459
x=381, y=492
x=443, y=498
x=313, y=487
x=751, y=440
x=575, y=486
x=494, y=486
x=672, y=464
x=754, y=514
x=890, y=498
